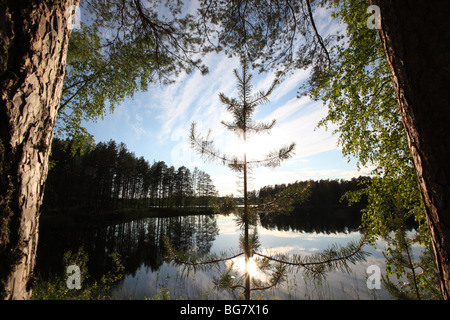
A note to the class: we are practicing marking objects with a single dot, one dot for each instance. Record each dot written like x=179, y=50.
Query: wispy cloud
x=195, y=98
x=138, y=126
x=156, y=123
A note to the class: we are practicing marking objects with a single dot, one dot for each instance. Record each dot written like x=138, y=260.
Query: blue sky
x=155, y=125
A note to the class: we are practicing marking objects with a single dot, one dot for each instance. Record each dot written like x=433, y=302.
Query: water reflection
x=251, y=267
x=140, y=243
x=266, y=271
x=316, y=220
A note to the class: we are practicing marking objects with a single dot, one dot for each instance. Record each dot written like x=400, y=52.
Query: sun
x=255, y=147
x=252, y=268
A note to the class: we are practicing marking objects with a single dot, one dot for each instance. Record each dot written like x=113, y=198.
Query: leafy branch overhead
x=119, y=53
x=126, y=45
x=275, y=34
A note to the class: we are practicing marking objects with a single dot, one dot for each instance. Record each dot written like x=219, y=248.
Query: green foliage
x=96, y=82
x=360, y=98
x=414, y=279
x=119, y=52
x=269, y=34
x=361, y=101
x=56, y=288
x=114, y=275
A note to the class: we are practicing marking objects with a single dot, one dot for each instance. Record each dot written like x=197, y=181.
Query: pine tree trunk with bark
x=416, y=40
x=34, y=37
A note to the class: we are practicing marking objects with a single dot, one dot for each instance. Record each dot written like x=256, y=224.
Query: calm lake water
x=140, y=243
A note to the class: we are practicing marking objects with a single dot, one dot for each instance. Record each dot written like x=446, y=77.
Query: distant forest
x=108, y=177
x=324, y=209
x=322, y=193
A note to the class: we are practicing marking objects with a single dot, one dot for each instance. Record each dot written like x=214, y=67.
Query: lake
x=147, y=273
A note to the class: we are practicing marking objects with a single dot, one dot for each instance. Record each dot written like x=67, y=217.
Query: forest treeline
x=109, y=177
x=321, y=193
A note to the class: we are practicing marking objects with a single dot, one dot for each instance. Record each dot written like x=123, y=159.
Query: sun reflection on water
x=252, y=268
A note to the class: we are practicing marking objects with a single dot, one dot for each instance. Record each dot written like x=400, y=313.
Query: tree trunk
x=416, y=39
x=34, y=38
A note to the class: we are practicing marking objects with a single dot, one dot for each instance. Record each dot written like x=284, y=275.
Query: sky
x=155, y=124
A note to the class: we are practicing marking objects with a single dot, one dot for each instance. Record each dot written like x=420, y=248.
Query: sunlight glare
x=255, y=147
x=252, y=268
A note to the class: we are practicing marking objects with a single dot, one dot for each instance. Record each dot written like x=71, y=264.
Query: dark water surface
x=140, y=243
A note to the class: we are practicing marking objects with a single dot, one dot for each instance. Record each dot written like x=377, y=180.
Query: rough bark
x=416, y=40
x=34, y=38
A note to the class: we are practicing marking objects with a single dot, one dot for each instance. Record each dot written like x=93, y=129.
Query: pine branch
x=319, y=38
x=262, y=97
x=192, y=261
x=233, y=127
x=261, y=127
x=333, y=258
x=273, y=159
x=277, y=279
x=206, y=148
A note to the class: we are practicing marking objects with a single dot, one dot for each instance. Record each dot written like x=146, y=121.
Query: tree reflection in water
x=139, y=242
x=250, y=270
x=141, y=245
